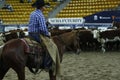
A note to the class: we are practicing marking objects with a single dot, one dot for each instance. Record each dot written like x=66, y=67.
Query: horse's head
x=13, y=34
x=6, y=36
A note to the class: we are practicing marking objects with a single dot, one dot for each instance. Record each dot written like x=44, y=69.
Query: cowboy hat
x=40, y=3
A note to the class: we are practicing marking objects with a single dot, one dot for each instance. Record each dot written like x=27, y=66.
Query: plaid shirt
x=37, y=23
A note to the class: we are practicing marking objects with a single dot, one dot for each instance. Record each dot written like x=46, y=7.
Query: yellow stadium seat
x=87, y=7
x=21, y=12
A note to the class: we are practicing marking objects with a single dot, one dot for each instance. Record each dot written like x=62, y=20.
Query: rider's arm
x=42, y=27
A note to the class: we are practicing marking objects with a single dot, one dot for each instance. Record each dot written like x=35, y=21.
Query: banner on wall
x=66, y=21
x=103, y=17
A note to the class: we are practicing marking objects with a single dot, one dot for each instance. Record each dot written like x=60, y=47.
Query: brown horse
x=15, y=56
x=71, y=40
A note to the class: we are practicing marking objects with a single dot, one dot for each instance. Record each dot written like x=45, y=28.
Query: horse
x=71, y=40
x=14, y=55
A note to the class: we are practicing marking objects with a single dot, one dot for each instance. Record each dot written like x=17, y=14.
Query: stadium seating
x=75, y=8
x=21, y=12
x=82, y=8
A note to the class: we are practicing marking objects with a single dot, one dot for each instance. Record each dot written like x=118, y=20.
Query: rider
x=37, y=23
x=38, y=30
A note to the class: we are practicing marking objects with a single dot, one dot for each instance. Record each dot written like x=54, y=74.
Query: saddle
x=33, y=46
x=37, y=51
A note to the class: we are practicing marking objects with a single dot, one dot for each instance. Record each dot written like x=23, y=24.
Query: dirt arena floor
x=86, y=66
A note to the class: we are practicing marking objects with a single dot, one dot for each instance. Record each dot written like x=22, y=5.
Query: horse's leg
x=20, y=70
x=3, y=71
x=51, y=76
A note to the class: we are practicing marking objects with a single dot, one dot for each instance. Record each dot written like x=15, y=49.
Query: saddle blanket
x=31, y=45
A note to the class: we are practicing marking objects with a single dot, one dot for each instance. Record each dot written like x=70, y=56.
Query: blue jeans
x=35, y=36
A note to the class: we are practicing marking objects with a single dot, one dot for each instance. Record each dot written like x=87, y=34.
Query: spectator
x=8, y=6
